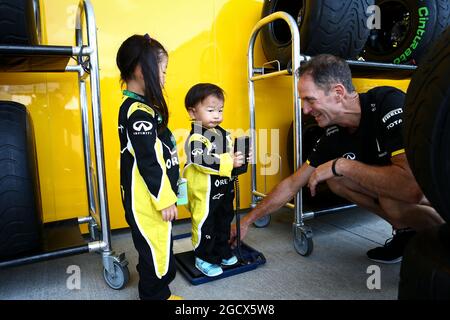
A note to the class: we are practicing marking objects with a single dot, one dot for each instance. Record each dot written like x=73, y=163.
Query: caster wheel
x=262, y=222
x=303, y=242
x=119, y=278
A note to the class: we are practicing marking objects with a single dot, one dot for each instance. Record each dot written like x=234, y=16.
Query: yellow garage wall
x=207, y=42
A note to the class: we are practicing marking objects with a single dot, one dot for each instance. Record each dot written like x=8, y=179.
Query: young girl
x=149, y=169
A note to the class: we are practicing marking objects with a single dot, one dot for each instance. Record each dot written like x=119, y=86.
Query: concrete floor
x=337, y=268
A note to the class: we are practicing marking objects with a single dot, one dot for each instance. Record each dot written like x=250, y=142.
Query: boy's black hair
x=148, y=53
x=200, y=91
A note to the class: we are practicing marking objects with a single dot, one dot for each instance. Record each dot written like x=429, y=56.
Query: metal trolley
x=63, y=238
x=303, y=243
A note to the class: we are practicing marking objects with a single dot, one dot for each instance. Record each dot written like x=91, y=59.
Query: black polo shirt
x=378, y=137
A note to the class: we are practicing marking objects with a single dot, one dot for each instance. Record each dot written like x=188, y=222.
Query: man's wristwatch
x=333, y=168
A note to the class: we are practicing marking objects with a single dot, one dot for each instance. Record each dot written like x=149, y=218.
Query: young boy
x=210, y=162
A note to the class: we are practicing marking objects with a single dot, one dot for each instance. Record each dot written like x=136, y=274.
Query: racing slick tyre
x=425, y=269
x=408, y=29
x=18, y=22
x=20, y=214
x=427, y=125
x=326, y=26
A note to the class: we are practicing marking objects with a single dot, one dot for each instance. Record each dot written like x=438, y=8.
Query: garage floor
x=337, y=268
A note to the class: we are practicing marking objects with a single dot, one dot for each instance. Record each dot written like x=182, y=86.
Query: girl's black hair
x=148, y=53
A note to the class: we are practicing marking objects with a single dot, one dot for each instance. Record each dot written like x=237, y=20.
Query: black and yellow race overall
x=149, y=173
x=210, y=190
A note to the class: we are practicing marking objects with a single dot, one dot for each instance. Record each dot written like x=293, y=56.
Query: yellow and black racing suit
x=210, y=190
x=149, y=173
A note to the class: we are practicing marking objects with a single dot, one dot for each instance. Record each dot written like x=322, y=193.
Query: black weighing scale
x=248, y=258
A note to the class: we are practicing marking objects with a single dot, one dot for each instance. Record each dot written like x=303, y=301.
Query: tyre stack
x=20, y=206
x=388, y=31
x=325, y=26
x=425, y=270
x=20, y=214
x=408, y=29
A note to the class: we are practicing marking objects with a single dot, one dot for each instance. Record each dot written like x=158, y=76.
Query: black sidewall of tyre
x=334, y=27
x=20, y=213
x=18, y=23
x=425, y=272
x=427, y=125
x=416, y=43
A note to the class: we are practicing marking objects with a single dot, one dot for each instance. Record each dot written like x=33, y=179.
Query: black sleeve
x=148, y=152
x=391, y=122
x=200, y=155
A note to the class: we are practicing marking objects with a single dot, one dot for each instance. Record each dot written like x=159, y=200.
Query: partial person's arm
x=148, y=151
x=199, y=151
x=277, y=198
x=392, y=181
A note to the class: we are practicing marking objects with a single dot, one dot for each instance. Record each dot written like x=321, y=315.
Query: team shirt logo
x=349, y=155
x=331, y=130
x=173, y=160
x=391, y=114
x=197, y=152
x=221, y=182
x=142, y=128
x=392, y=123
x=218, y=196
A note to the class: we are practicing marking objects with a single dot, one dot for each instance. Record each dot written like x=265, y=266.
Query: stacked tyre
x=427, y=125
x=325, y=26
x=18, y=22
x=391, y=31
x=407, y=29
x=20, y=214
x=425, y=270
x=20, y=207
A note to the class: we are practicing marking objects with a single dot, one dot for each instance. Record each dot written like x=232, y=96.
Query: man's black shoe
x=392, y=251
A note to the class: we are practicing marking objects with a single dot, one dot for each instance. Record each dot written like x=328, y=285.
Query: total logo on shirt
x=173, y=160
x=221, y=182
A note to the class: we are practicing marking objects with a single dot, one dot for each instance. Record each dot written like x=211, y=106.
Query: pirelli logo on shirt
x=142, y=128
x=392, y=123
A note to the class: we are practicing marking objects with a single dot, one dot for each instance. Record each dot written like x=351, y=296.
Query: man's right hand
x=233, y=233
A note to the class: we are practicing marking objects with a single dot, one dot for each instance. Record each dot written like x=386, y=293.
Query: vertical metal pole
x=97, y=122
x=85, y=127
x=297, y=112
x=251, y=97
x=37, y=18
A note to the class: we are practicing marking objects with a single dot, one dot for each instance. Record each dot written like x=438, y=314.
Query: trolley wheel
x=262, y=222
x=303, y=242
x=119, y=278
